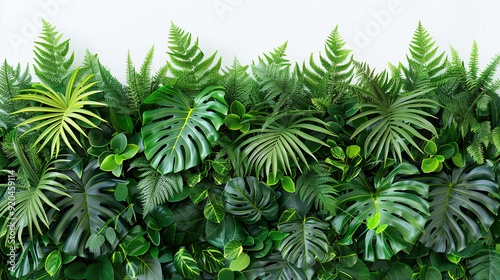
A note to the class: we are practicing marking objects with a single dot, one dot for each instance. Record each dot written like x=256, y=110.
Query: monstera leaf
x=179, y=135
x=251, y=201
x=305, y=243
x=485, y=264
x=460, y=206
x=394, y=211
x=86, y=211
x=274, y=267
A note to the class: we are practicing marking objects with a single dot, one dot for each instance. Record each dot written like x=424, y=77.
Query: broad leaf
x=485, y=264
x=461, y=204
x=251, y=200
x=401, y=205
x=306, y=242
x=179, y=135
x=86, y=211
x=185, y=264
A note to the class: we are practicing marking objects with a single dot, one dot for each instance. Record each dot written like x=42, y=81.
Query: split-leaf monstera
x=179, y=135
x=86, y=211
x=397, y=210
x=457, y=200
x=250, y=201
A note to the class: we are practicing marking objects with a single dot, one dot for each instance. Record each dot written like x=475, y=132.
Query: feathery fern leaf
x=11, y=81
x=238, y=84
x=52, y=67
x=329, y=78
x=316, y=185
x=425, y=68
x=190, y=72
x=155, y=188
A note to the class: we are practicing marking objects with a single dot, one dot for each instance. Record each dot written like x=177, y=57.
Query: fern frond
x=238, y=84
x=278, y=56
x=474, y=61
x=425, y=68
x=155, y=188
x=190, y=72
x=11, y=81
x=330, y=76
x=52, y=67
x=316, y=186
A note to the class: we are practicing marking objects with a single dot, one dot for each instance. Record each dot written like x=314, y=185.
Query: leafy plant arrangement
x=272, y=170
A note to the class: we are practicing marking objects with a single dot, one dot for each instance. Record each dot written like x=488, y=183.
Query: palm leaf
x=61, y=113
x=31, y=204
x=271, y=149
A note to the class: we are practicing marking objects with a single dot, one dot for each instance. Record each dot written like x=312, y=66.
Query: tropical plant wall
x=275, y=170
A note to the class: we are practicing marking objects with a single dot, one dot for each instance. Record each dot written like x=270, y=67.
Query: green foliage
x=309, y=173
x=178, y=135
x=11, y=82
x=396, y=208
x=270, y=149
x=394, y=117
x=330, y=79
x=29, y=206
x=317, y=186
x=460, y=206
x=63, y=113
x=52, y=65
x=190, y=72
x=156, y=188
x=250, y=201
x=85, y=211
x=306, y=243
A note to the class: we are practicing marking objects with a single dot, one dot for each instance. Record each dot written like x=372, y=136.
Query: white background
x=378, y=31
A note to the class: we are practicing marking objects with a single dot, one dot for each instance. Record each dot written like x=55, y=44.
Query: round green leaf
x=240, y=263
x=429, y=165
x=372, y=222
x=109, y=163
x=233, y=249
x=75, y=271
x=99, y=138
x=226, y=274
x=338, y=153
x=432, y=274
x=53, y=262
x=237, y=108
x=459, y=159
x=119, y=143
x=137, y=246
x=233, y=122
x=440, y=158
x=121, y=192
x=430, y=148
x=288, y=184
x=353, y=151
x=103, y=270
x=130, y=151
x=381, y=228
x=448, y=150
x=453, y=258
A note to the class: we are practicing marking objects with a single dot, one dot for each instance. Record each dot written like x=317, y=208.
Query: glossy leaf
x=250, y=201
x=86, y=212
x=53, y=262
x=179, y=135
x=61, y=113
x=457, y=201
x=401, y=205
x=185, y=265
x=306, y=242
